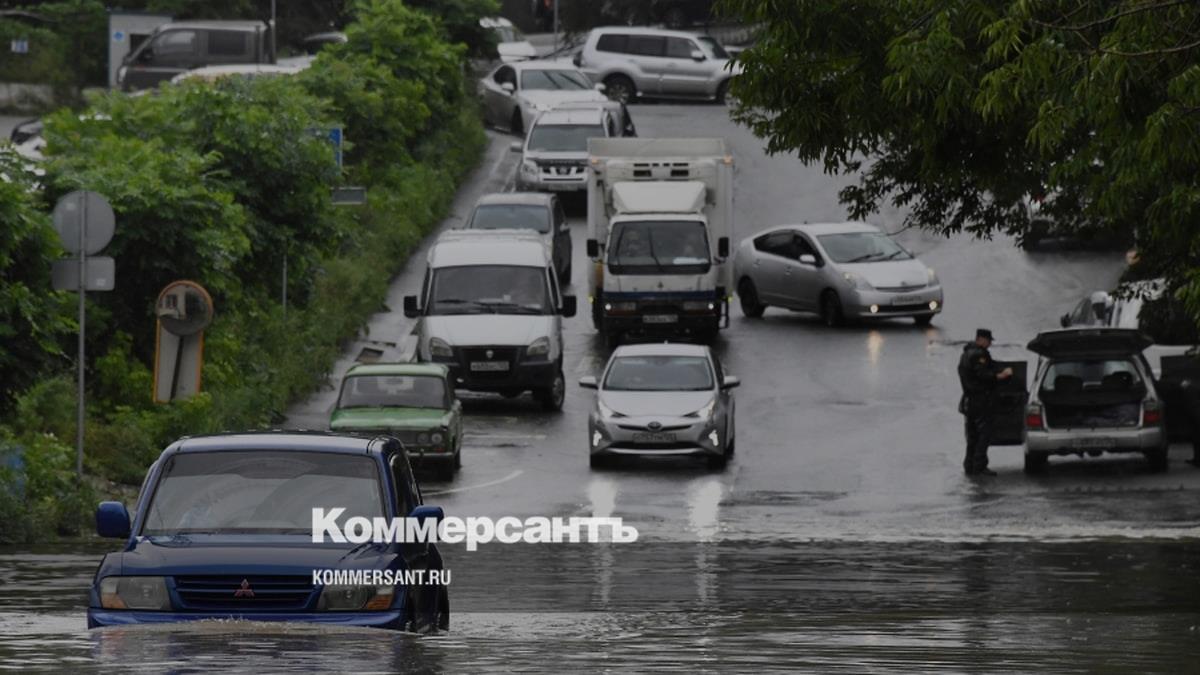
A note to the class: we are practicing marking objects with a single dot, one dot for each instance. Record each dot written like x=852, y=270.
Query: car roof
x=215, y=72
x=574, y=116
x=215, y=25
x=647, y=30
x=816, y=229
x=661, y=349
x=542, y=64
x=1089, y=342
x=304, y=441
x=458, y=248
x=407, y=368
x=539, y=198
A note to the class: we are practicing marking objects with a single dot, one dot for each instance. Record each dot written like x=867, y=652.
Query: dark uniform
x=977, y=373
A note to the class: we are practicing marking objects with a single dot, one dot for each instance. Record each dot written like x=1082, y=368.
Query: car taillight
x=1151, y=413
x=1033, y=417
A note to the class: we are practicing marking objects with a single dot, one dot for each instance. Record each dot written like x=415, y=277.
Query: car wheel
x=612, y=339
x=443, y=622
x=1157, y=459
x=752, y=307
x=517, y=125
x=718, y=462
x=422, y=618
x=552, y=397
x=923, y=320
x=620, y=88
x=445, y=471
x=597, y=314
x=598, y=462
x=831, y=309
x=1036, y=462
x=458, y=459
x=722, y=91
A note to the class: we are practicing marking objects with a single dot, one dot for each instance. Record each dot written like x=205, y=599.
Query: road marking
x=464, y=488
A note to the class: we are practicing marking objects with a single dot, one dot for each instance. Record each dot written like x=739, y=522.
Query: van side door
x=169, y=53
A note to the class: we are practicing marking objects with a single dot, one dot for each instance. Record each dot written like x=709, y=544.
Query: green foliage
x=966, y=108
x=461, y=19
x=41, y=496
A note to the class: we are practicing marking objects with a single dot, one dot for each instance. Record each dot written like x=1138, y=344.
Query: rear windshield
x=1100, y=375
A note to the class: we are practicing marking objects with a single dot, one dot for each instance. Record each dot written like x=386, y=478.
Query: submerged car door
x=1179, y=380
x=1008, y=412
x=802, y=274
x=170, y=52
x=770, y=256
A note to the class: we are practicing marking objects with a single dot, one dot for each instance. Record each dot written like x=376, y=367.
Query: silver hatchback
x=656, y=63
x=843, y=271
x=662, y=400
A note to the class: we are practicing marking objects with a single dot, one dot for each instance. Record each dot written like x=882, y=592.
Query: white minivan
x=491, y=310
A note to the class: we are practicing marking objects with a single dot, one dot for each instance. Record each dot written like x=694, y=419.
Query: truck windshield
x=854, y=247
x=563, y=137
x=489, y=289
x=510, y=217
x=659, y=246
x=393, y=391
x=659, y=373
x=260, y=492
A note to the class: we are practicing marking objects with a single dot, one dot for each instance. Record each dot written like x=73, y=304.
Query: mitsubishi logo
x=490, y=353
x=654, y=426
x=244, y=591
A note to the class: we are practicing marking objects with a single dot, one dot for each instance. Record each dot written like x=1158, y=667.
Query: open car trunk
x=1093, y=409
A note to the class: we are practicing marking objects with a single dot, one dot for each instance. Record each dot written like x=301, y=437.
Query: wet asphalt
x=842, y=537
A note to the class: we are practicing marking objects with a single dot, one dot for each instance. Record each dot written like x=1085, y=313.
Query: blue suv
x=223, y=529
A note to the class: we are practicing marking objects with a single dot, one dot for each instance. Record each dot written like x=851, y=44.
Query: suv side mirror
x=423, y=513
x=600, y=86
x=569, y=306
x=593, y=248
x=698, y=55
x=730, y=382
x=1065, y=321
x=577, y=59
x=808, y=259
x=411, y=309
x=112, y=520
x=517, y=146
x=589, y=382
x=508, y=87
x=723, y=247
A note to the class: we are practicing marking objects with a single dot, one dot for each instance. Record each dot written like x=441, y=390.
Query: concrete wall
x=25, y=97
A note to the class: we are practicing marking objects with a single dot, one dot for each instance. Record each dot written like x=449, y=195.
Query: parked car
x=214, y=73
x=554, y=155
x=662, y=400
x=656, y=63
x=1093, y=392
x=414, y=402
x=537, y=211
x=843, y=271
x=23, y=131
x=514, y=94
x=180, y=46
x=511, y=45
x=1145, y=306
x=223, y=529
x=491, y=310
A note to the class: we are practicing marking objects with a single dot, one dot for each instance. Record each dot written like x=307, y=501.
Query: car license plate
x=1092, y=442
x=563, y=187
x=654, y=437
x=660, y=318
x=489, y=366
x=910, y=299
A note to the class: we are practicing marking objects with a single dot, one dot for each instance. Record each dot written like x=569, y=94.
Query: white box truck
x=660, y=217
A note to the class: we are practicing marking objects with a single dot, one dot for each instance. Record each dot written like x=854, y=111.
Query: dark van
x=177, y=47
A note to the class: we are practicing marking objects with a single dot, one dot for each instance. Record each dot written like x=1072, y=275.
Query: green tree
x=961, y=110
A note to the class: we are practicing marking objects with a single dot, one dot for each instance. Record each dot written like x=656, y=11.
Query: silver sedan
x=842, y=271
x=514, y=94
x=662, y=400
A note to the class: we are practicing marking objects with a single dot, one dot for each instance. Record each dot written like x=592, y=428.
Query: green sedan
x=414, y=402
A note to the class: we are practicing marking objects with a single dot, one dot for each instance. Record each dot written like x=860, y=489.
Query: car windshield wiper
x=862, y=258
x=460, y=301
x=893, y=254
x=517, y=308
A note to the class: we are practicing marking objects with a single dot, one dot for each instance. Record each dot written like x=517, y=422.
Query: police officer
x=979, y=376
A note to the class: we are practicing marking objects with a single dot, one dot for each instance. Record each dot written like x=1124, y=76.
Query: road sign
x=335, y=137
x=349, y=195
x=100, y=274
x=184, y=310
x=89, y=210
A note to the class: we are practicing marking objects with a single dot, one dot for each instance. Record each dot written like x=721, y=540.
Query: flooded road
x=728, y=606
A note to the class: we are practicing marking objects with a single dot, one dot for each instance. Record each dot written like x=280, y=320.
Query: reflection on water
x=827, y=607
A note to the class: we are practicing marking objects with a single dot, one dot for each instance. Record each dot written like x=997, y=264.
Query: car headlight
x=607, y=412
x=134, y=593
x=856, y=281
x=541, y=107
x=437, y=437
x=529, y=166
x=933, y=278
x=706, y=411
x=439, y=347
x=422, y=438
x=539, y=347
x=352, y=597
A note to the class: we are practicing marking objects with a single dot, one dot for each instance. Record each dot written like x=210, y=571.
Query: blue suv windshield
x=260, y=492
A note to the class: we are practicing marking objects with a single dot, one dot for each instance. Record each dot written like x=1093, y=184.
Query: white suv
x=656, y=63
